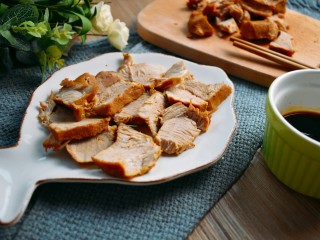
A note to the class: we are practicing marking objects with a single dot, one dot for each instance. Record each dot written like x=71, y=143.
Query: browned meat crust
x=133, y=154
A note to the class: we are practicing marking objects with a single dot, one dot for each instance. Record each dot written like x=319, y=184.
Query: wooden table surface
x=257, y=206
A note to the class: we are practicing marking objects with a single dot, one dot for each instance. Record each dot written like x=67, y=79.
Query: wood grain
x=164, y=23
x=258, y=206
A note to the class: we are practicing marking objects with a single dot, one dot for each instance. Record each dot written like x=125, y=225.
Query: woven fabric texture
x=108, y=211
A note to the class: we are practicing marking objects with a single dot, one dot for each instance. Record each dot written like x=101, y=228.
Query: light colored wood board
x=164, y=24
x=258, y=206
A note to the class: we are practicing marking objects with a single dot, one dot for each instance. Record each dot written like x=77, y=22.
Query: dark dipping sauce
x=306, y=122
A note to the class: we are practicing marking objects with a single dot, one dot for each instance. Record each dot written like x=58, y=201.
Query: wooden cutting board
x=164, y=24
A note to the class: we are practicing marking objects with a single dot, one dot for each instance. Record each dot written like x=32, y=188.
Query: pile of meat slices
x=253, y=19
x=124, y=120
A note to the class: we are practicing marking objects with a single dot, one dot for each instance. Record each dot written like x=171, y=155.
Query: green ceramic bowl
x=293, y=157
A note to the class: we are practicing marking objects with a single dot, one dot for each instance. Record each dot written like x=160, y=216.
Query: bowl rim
x=271, y=92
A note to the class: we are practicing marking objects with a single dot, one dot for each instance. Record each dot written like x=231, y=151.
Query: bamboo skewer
x=269, y=54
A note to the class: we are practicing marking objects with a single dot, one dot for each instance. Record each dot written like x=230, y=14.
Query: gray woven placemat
x=108, y=211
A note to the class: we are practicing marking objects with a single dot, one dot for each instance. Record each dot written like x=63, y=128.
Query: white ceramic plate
x=27, y=165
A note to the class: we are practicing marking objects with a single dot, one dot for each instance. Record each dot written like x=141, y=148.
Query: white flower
x=118, y=34
x=103, y=18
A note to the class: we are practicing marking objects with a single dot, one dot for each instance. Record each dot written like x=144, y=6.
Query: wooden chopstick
x=269, y=54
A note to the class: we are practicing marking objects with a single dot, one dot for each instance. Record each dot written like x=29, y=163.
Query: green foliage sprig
x=39, y=31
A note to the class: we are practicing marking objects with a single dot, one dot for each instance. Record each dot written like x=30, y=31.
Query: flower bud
x=118, y=34
x=103, y=18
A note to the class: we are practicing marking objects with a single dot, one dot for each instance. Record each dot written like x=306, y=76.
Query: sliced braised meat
x=83, y=150
x=143, y=73
x=259, y=29
x=174, y=111
x=52, y=143
x=175, y=94
x=213, y=94
x=132, y=154
x=129, y=113
x=112, y=99
x=77, y=130
x=283, y=44
x=151, y=109
x=176, y=74
x=176, y=135
x=76, y=94
x=106, y=79
x=178, y=110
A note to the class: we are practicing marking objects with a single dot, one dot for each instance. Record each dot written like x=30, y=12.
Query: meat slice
x=76, y=94
x=77, y=130
x=151, y=109
x=175, y=75
x=52, y=143
x=283, y=44
x=112, y=99
x=129, y=113
x=106, y=79
x=259, y=29
x=142, y=73
x=83, y=150
x=132, y=154
x=176, y=135
x=229, y=26
x=199, y=26
x=51, y=112
x=175, y=94
x=177, y=110
x=264, y=8
x=213, y=94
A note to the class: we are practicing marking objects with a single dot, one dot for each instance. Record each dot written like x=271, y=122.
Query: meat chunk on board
x=176, y=135
x=132, y=154
x=283, y=44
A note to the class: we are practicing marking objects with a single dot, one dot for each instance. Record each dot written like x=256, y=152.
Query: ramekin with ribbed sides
x=293, y=155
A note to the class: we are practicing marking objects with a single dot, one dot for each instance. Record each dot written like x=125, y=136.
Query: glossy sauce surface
x=306, y=122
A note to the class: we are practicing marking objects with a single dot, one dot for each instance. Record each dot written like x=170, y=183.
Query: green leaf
x=85, y=23
x=21, y=13
x=3, y=8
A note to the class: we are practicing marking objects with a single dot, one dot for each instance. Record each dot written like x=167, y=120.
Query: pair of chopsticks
x=269, y=54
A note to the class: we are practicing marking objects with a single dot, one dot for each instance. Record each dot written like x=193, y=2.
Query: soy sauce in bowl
x=306, y=122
